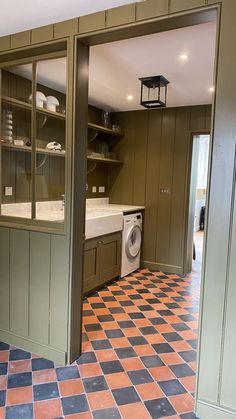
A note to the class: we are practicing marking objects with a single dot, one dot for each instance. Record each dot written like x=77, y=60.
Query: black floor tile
x=188, y=356
x=162, y=348
x=4, y=346
x=157, y=320
x=22, y=379
x=106, y=318
x=20, y=411
x=135, y=297
x=41, y=364
x=87, y=358
x=187, y=318
x=2, y=398
x=172, y=387
x=193, y=343
x=165, y=313
x=148, y=330
x=98, y=305
x=18, y=354
x=93, y=327
x=182, y=370
x=101, y=344
x=152, y=361
x=153, y=301
x=172, y=305
x=125, y=324
x=74, y=404
x=114, y=333
x=67, y=373
x=115, y=310
x=3, y=368
x=126, y=303
x=137, y=340
x=145, y=307
x=172, y=337
x=106, y=299
x=94, y=384
x=123, y=353
x=140, y=377
x=125, y=395
x=180, y=327
x=111, y=367
x=112, y=413
x=136, y=315
x=188, y=416
x=159, y=408
x=45, y=391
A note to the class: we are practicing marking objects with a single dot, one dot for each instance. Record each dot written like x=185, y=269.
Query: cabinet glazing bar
x=33, y=143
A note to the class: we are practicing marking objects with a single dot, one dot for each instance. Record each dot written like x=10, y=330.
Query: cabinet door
x=91, y=265
x=110, y=257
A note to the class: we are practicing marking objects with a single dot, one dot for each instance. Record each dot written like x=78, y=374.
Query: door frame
x=82, y=44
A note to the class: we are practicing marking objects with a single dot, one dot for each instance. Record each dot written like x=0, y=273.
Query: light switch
x=101, y=189
x=8, y=191
x=165, y=191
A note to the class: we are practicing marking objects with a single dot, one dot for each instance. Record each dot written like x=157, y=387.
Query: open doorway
x=201, y=145
x=198, y=199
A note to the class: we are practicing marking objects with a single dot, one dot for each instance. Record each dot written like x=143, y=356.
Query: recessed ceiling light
x=211, y=89
x=129, y=98
x=183, y=57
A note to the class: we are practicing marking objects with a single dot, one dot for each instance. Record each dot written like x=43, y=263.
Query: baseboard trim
x=160, y=267
x=205, y=410
x=45, y=351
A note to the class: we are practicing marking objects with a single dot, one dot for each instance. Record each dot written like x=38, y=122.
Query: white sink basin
x=100, y=222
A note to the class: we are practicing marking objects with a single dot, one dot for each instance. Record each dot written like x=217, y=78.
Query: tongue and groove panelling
x=156, y=154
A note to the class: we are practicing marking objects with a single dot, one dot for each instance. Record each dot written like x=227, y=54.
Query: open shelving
x=28, y=107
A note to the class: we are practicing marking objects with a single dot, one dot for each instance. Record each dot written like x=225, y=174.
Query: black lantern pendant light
x=153, y=92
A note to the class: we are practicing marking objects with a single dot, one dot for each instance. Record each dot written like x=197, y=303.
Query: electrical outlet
x=94, y=189
x=8, y=191
x=101, y=189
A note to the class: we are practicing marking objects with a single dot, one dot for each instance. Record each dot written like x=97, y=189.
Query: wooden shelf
x=105, y=130
x=104, y=160
x=28, y=149
x=27, y=106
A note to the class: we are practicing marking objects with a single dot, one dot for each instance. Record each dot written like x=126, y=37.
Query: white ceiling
x=116, y=67
x=20, y=15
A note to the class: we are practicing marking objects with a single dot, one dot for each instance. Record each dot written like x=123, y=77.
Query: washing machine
x=131, y=243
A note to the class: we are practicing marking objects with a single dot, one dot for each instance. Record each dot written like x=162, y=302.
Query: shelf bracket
x=92, y=168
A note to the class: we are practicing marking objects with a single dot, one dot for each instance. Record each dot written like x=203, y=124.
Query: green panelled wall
x=34, y=291
x=156, y=151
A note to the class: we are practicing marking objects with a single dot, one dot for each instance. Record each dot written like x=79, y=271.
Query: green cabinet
x=102, y=260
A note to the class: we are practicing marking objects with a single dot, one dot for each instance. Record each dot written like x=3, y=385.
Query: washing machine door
x=133, y=242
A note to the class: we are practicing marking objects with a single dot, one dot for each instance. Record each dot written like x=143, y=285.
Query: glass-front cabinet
x=33, y=141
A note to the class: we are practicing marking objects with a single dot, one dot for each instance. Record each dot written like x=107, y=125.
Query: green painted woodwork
x=19, y=281
x=151, y=8
x=102, y=260
x=156, y=151
x=39, y=286
x=4, y=278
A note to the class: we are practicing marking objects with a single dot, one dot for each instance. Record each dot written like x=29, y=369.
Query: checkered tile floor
x=139, y=357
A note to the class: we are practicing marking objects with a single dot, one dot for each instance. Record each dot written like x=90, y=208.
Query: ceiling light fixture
x=183, y=57
x=153, y=92
x=129, y=98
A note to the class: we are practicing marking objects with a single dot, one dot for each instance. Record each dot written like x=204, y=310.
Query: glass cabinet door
x=33, y=140
x=15, y=141
x=50, y=139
